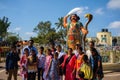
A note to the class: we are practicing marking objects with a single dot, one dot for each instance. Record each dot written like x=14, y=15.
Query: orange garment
x=78, y=63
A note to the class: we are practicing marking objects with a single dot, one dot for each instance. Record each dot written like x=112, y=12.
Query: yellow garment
x=88, y=73
x=32, y=66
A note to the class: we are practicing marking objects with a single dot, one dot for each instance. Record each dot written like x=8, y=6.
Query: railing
x=111, y=55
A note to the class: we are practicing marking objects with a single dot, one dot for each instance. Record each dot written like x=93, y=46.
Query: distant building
x=104, y=37
x=91, y=38
x=116, y=40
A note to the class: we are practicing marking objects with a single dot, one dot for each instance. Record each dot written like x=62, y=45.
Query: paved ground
x=112, y=76
x=111, y=72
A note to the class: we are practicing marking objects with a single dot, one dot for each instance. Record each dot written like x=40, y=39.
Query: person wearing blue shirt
x=12, y=59
x=30, y=46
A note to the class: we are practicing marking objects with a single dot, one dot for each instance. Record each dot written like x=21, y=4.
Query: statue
x=76, y=33
x=90, y=17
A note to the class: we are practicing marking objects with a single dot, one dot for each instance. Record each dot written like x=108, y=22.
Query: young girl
x=23, y=64
x=32, y=65
x=41, y=61
x=47, y=64
x=85, y=71
x=54, y=68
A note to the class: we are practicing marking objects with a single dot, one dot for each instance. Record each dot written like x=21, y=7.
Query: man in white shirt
x=91, y=45
x=76, y=49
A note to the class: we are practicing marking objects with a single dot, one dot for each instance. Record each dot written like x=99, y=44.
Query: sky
x=24, y=15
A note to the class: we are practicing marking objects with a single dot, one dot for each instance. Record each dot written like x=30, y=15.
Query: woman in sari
x=68, y=65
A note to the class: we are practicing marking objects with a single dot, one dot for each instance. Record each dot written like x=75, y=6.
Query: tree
x=4, y=25
x=12, y=39
x=59, y=24
x=61, y=30
x=45, y=33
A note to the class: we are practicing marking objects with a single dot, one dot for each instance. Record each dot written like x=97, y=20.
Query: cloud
x=113, y=4
x=14, y=30
x=82, y=10
x=29, y=33
x=115, y=24
x=99, y=11
x=17, y=29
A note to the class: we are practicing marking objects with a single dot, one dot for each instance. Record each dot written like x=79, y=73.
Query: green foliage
x=4, y=25
x=59, y=24
x=45, y=33
x=12, y=39
x=60, y=29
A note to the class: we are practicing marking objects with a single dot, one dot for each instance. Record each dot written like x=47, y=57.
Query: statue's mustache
x=74, y=19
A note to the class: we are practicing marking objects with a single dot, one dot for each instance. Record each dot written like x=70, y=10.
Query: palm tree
x=60, y=30
x=4, y=24
x=59, y=24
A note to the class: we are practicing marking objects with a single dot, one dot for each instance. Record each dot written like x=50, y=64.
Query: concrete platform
x=111, y=66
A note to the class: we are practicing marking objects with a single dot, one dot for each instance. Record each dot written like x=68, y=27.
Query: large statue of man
x=74, y=30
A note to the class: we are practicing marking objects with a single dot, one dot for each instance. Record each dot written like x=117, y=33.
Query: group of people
x=55, y=64
x=52, y=63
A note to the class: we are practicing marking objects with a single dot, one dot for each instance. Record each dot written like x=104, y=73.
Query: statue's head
x=74, y=17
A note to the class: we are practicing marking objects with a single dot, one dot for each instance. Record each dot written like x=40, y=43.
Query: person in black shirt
x=12, y=59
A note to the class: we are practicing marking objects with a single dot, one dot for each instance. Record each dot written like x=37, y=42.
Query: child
x=32, y=65
x=23, y=64
x=47, y=64
x=41, y=61
x=86, y=69
x=81, y=75
x=53, y=70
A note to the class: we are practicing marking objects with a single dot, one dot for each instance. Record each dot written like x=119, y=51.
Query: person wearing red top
x=68, y=65
x=23, y=64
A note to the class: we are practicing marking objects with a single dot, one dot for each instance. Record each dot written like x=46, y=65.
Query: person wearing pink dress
x=23, y=64
x=47, y=64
